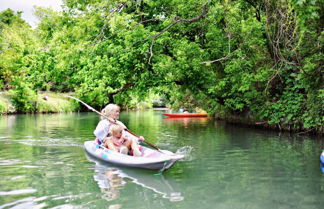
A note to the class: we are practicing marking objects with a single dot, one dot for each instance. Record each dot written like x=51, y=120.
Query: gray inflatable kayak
x=150, y=159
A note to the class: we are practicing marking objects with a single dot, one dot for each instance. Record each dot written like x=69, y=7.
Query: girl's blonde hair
x=109, y=109
x=116, y=129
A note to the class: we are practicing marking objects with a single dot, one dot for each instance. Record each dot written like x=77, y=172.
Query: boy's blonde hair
x=108, y=110
x=116, y=129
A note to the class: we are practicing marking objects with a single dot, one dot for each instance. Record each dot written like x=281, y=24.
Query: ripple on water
x=30, y=166
x=18, y=192
x=52, y=142
x=18, y=203
x=4, y=138
x=16, y=178
x=37, y=202
x=70, y=196
x=9, y=161
x=186, y=151
x=29, y=202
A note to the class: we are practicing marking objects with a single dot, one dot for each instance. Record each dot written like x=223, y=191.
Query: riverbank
x=46, y=102
x=50, y=102
x=250, y=121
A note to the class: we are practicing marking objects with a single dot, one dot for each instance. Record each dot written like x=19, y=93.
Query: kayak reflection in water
x=110, y=183
x=112, y=179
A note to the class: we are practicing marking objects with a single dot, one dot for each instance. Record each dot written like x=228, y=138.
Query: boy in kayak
x=119, y=143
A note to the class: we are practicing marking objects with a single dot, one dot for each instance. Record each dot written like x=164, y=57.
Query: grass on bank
x=51, y=102
x=47, y=102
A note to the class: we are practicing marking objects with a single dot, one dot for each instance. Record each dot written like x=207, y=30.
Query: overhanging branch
x=176, y=20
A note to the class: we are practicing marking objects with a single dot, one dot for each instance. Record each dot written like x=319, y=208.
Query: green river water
x=43, y=165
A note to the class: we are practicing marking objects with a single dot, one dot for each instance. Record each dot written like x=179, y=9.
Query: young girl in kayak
x=103, y=129
x=119, y=143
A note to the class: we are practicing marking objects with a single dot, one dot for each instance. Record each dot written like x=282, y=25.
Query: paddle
x=111, y=121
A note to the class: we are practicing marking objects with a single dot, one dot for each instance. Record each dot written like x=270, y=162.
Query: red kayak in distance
x=185, y=115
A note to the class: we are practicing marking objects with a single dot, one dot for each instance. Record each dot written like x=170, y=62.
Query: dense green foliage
x=257, y=58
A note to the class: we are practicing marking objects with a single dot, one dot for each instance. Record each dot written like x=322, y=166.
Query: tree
x=16, y=42
x=256, y=58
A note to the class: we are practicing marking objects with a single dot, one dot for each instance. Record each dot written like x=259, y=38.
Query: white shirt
x=104, y=127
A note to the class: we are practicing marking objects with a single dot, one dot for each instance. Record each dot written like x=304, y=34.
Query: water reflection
x=43, y=165
x=55, y=126
x=111, y=179
x=186, y=121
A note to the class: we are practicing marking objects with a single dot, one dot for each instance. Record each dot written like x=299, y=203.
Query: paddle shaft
x=111, y=121
x=152, y=145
